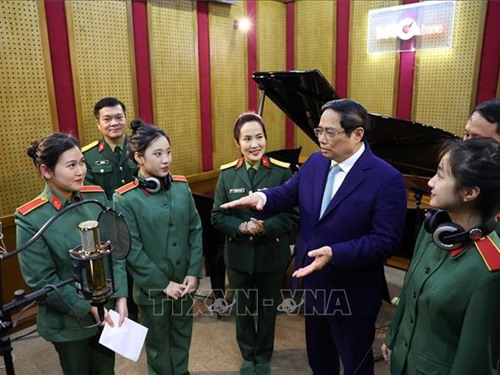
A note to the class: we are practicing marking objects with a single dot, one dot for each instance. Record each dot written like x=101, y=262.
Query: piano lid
x=409, y=146
x=300, y=94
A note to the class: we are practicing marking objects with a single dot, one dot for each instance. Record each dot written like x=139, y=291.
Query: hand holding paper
x=126, y=340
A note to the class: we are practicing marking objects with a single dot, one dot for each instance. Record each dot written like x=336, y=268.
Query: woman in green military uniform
x=257, y=248
x=59, y=160
x=165, y=259
x=448, y=315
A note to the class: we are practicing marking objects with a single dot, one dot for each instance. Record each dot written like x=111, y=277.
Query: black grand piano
x=410, y=147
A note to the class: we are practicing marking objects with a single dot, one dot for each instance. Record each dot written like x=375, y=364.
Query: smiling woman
x=60, y=162
x=256, y=250
x=166, y=251
x=447, y=320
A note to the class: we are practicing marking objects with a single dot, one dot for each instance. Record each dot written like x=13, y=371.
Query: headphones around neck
x=448, y=235
x=154, y=185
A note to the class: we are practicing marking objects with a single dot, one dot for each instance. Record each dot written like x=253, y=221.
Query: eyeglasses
x=329, y=133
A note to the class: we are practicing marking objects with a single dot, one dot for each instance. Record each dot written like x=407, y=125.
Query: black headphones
x=448, y=235
x=154, y=185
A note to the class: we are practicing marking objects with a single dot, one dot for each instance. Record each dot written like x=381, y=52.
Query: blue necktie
x=327, y=193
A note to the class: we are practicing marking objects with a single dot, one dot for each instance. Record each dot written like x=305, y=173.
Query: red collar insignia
x=458, y=251
x=56, y=202
x=240, y=162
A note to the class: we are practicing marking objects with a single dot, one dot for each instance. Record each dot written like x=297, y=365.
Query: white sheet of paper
x=126, y=340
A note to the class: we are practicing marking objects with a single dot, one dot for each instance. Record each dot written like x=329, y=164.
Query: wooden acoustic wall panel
x=446, y=80
x=314, y=48
x=229, y=80
x=101, y=57
x=271, y=45
x=498, y=87
x=174, y=80
x=27, y=99
x=372, y=78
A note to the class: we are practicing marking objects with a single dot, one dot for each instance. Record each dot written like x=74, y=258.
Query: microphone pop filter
x=114, y=228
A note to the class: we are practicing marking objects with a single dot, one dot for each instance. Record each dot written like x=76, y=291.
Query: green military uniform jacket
x=105, y=169
x=448, y=318
x=166, y=234
x=47, y=261
x=246, y=253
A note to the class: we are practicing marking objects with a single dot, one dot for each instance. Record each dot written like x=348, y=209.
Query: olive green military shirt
x=166, y=235
x=105, y=168
x=448, y=318
x=269, y=252
x=47, y=261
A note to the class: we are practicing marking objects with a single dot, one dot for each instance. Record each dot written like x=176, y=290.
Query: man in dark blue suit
x=352, y=215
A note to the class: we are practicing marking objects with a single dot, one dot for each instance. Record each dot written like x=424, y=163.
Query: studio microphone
x=92, y=267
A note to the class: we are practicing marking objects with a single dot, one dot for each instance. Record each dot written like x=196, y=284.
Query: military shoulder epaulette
x=31, y=205
x=280, y=163
x=91, y=189
x=178, y=177
x=228, y=165
x=490, y=253
x=89, y=146
x=127, y=187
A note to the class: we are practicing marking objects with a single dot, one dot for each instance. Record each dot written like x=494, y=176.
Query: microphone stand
x=21, y=300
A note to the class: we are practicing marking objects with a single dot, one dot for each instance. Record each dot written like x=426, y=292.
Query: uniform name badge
x=237, y=191
x=102, y=162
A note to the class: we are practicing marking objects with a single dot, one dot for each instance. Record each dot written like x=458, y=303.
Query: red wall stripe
x=405, y=81
x=61, y=66
x=290, y=65
x=142, y=64
x=252, y=54
x=205, y=88
x=342, y=48
x=405, y=85
x=490, y=55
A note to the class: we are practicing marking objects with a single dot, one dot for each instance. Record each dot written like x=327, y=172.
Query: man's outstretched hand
x=252, y=200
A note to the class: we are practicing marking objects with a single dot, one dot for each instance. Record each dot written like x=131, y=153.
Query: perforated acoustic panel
x=498, y=87
x=372, y=78
x=26, y=99
x=445, y=80
x=228, y=64
x=175, y=80
x=271, y=44
x=101, y=58
x=314, y=48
